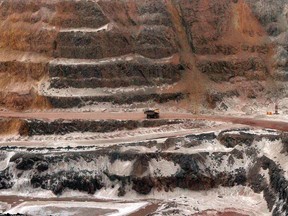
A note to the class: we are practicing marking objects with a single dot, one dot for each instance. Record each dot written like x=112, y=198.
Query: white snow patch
x=97, y=165
x=43, y=208
x=254, y=131
x=205, y=146
x=265, y=174
x=163, y=167
x=4, y=206
x=108, y=193
x=122, y=168
x=140, y=149
x=240, y=198
x=44, y=89
x=105, y=139
x=28, y=192
x=123, y=58
x=225, y=166
x=272, y=150
x=6, y=158
x=106, y=27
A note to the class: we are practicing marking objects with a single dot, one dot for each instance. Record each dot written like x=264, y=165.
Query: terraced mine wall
x=130, y=171
x=114, y=75
x=138, y=41
x=61, y=127
x=72, y=102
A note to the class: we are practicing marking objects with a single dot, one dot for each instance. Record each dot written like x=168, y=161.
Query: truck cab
x=152, y=113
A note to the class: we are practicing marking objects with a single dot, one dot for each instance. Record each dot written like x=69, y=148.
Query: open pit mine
x=144, y=107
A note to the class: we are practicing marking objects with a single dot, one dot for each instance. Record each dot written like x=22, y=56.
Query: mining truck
x=152, y=113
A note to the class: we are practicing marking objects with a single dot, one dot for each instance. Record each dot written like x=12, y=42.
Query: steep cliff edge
x=230, y=46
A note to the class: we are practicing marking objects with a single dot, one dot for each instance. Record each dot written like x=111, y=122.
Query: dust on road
x=51, y=116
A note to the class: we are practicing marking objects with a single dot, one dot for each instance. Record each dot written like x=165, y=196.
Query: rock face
x=126, y=55
x=159, y=169
x=61, y=127
x=113, y=44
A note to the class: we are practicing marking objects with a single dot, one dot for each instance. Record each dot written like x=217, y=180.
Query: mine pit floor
x=237, y=201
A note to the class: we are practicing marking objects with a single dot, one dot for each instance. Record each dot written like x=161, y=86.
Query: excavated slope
x=59, y=54
x=50, y=47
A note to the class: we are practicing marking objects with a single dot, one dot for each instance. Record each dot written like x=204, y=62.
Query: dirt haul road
x=51, y=116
